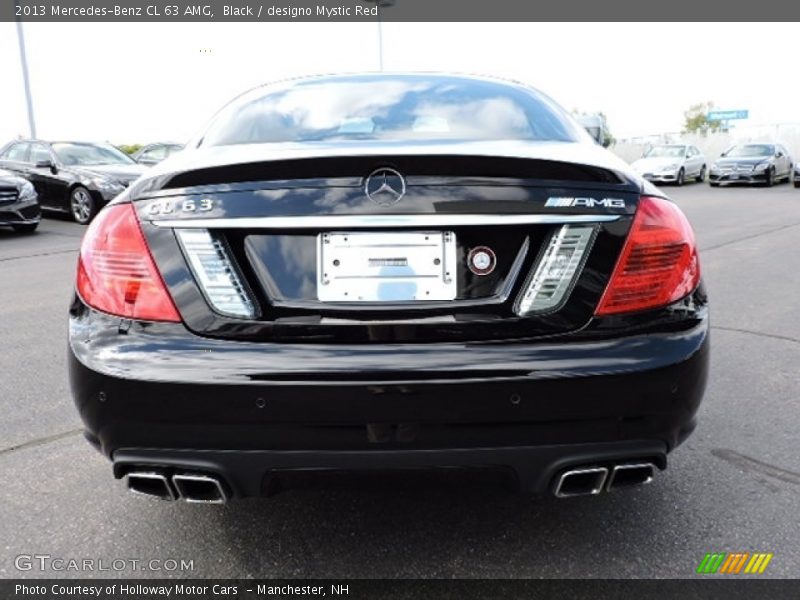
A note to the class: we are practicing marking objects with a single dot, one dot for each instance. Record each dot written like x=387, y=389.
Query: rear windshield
x=390, y=109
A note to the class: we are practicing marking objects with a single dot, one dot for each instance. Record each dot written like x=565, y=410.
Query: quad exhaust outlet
x=192, y=487
x=148, y=483
x=201, y=489
x=591, y=480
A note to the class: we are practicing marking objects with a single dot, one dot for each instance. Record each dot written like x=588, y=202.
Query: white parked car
x=672, y=163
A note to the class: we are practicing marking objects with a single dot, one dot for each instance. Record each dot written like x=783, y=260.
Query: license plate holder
x=386, y=267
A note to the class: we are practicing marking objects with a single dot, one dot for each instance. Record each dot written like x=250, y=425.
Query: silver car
x=672, y=163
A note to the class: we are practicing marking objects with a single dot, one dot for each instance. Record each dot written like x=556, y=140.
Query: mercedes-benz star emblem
x=385, y=186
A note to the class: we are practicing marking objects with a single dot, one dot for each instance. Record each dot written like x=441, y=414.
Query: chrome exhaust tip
x=630, y=475
x=148, y=483
x=581, y=482
x=201, y=489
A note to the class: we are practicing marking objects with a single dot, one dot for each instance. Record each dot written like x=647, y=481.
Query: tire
x=82, y=206
x=713, y=184
x=770, y=178
x=681, y=177
x=26, y=228
x=702, y=176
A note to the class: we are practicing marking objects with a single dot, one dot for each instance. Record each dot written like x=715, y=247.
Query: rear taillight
x=116, y=273
x=658, y=264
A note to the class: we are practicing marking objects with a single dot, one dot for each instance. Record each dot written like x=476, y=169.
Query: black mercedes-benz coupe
x=77, y=178
x=19, y=203
x=388, y=272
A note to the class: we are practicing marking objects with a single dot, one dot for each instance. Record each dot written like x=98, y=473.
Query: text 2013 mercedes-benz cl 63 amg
x=379, y=272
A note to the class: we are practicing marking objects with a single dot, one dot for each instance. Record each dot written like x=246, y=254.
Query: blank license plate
x=386, y=267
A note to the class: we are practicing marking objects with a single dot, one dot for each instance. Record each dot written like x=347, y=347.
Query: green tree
x=608, y=138
x=696, y=119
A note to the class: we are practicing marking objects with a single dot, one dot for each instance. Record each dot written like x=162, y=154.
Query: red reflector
x=658, y=264
x=116, y=273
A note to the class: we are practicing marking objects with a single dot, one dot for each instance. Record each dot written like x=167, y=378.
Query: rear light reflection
x=659, y=263
x=557, y=269
x=116, y=273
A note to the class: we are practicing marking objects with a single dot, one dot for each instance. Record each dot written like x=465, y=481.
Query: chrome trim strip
x=371, y=221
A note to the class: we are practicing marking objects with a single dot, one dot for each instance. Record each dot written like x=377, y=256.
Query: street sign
x=727, y=115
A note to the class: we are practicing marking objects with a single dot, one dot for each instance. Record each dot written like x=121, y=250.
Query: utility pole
x=26, y=80
x=380, y=4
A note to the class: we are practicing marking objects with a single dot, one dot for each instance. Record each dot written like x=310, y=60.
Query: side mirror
x=778, y=154
x=46, y=164
x=724, y=154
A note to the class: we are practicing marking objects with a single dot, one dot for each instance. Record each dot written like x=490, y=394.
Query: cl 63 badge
x=170, y=207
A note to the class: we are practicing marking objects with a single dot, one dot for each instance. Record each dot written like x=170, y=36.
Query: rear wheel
x=26, y=228
x=681, y=177
x=82, y=206
x=702, y=176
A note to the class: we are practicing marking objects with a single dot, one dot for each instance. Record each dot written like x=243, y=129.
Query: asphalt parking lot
x=733, y=486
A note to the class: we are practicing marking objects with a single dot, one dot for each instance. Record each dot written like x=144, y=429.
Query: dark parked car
x=797, y=175
x=19, y=205
x=73, y=177
x=152, y=154
x=388, y=272
x=752, y=163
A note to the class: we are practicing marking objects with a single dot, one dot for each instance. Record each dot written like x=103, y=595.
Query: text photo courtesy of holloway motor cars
x=344, y=299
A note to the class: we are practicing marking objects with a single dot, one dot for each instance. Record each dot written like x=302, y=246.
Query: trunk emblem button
x=481, y=260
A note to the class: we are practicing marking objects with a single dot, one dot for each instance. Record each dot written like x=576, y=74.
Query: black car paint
x=294, y=322
x=622, y=388
x=55, y=181
x=320, y=387
x=16, y=211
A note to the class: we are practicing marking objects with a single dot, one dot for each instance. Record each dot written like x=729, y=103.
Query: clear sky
x=129, y=83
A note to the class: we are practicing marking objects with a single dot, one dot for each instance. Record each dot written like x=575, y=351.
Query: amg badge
x=569, y=202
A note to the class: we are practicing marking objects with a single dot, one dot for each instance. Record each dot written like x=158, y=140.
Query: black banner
x=395, y=11
x=739, y=588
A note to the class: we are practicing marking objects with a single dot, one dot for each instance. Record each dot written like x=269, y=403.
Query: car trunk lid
x=264, y=228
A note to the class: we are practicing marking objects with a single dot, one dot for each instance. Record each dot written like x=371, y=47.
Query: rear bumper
x=253, y=473
x=156, y=395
